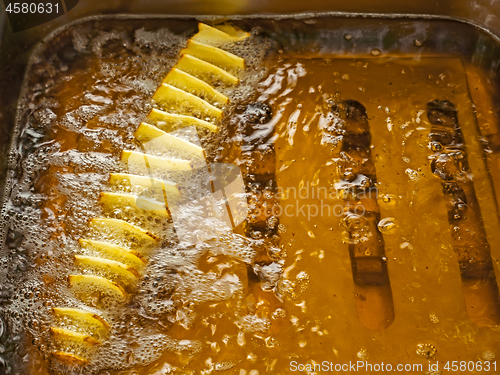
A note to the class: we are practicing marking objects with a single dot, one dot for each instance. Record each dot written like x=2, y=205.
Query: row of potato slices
x=187, y=98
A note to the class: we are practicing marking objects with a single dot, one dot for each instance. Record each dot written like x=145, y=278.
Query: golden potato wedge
x=170, y=189
x=171, y=121
x=123, y=229
x=65, y=335
x=219, y=34
x=195, y=86
x=146, y=133
x=114, y=252
x=111, y=201
x=234, y=32
x=91, y=288
x=116, y=271
x=83, y=318
x=205, y=70
x=146, y=164
x=178, y=101
x=214, y=55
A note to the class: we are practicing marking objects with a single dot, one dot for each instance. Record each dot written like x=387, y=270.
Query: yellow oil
x=320, y=314
x=315, y=314
x=322, y=322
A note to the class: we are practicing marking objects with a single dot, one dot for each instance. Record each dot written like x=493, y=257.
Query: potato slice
x=89, y=286
x=157, y=138
x=124, y=230
x=112, y=201
x=205, y=71
x=178, y=101
x=160, y=167
x=170, y=121
x=114, y=252
x=116, y=271
x=70, y=358
x=236, y=33
x=214, y=55
x=85, y=319
x=65, y=335
x=195, y=86
x=170, y=189
x=219, y=34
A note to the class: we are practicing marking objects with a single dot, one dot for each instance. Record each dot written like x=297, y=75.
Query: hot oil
x=327, y=316
x=81, y=106
x=244, y=304
x=425, y=317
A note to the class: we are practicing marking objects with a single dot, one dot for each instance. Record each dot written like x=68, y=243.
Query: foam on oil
x=81, y=104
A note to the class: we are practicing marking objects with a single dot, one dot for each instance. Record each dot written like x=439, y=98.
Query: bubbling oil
x=283, y=288
x=339, y=305
x=81, y=105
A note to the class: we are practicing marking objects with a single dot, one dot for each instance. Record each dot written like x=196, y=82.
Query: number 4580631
x=32, y=8
x=471, y=366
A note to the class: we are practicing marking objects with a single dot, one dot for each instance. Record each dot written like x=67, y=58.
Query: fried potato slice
x=116, y=271
x=163, y=168
x=178, y=101
x=91, y=288
x=214, y=55
x=195, y=86
x=170, y=121
x=157, y=138
x=114, y=252
x=219, y=34
x=111, y=201
x=143, y=183
x=205, y=71
x=234, y=32
x=83, y=318
x=66, y=335
x=123, y=229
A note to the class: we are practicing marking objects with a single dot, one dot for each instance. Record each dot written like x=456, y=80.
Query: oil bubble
x=387, y=226
x=362, y=355
x=426, y=351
